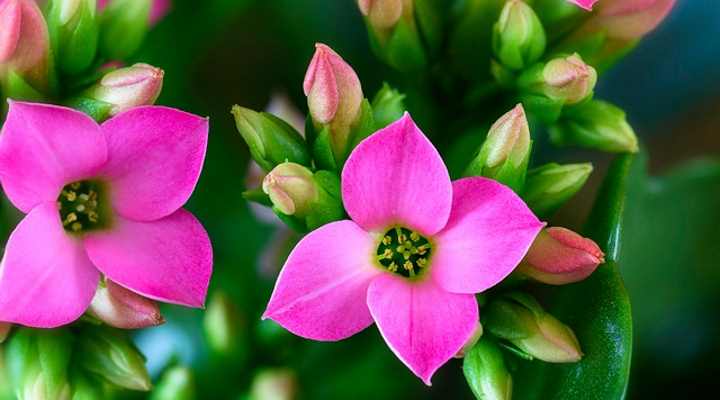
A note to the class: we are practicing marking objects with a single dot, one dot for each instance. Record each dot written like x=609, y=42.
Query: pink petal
x=489, y=231
x=424, y=325
x=397, y=176
x=44, y=147
x=320, y=293
x=168, y=260
x=155, y=155
x=47, y=279
x=11, y=18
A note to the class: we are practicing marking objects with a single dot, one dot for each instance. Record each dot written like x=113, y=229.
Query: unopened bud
x=24, y=44
x=628, y=19
x=177, y=383
x=124, y=24
x=382, y=14
x=274, y=384
x=519, y=319
x=505, y=153
x=122, y=308
x=111, y=355
x=128, y=87
x=566, y=79
x=271, y=140
x=291, y=188
x=549, y=186
x=518, y=37
x=477, y=334
x=334, y=96
x=597, y=125
x=486, y=373
x=75, y=29
x=559, y=256
x=388, y=106
x=223, y=324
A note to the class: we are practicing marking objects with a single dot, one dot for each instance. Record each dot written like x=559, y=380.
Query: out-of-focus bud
x=566, y=79
x=628, y=19
x=518, y=318
x=177, y=383
x=121, y=308
x=274, y=384
x=518, y=37
x=559, y=256
x=5, y=328
x=486, y=373
x=223, y=324
x=158, y=10
x=74, y=31
x=24, y=45
x=549, y=186
x=38, y=362
x=128, y=87
x=388, y=106
x=123, y=26
x=477, y=334
x=504, y=155
x=334, y=96
x=291, y=189
x=596, y=125
x=109, y=354
x=271, y=140
x=382, y=14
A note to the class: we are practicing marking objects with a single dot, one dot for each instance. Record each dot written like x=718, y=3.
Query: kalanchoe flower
x=549, y=186
x=628, y=19
x=518, y=38
x=585, y=4
x=128, y=87
x=122, y=308
x=334, y=96
x=416, y=251
x=24, y=43
x=100, y=198
x=559, y=256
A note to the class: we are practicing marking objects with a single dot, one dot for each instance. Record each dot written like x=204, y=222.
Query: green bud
x=486, y=373
x=597, y=125
x=388, y=106
x=519, y=319
x=274, y=384
x=223, y=324
x=177, y=383
x=74, y=31
x=505, y=153
x=124, y=24
x=549, y=186
x=518, y=37
x=271, y=140
x=38, y=361
x=567, y=80
x=111, y=355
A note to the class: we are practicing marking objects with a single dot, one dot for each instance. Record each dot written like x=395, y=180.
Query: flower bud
x=628, y=19
x=388, y=106
x=519, y=319
x=24, y=44
x=271, y=140
x=549, y=186
x=291, y=188
x=274, y=384
x=110, y=354
x=566, y=79
x=477, y=334
x=505, y=153
x=223, y=324
x=74, y=30
x=518, y=37
x=128, y=87
x=124, y=24
x=486, y=373
x=382, y=14
x=597, y=125
x=559, y=256
x=177, y=383
x=334, y=96
x=121, y=308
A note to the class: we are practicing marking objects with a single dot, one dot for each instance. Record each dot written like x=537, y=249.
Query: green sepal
x=16, y=88
x=328, y=207
x=506, y=173
x=322, y=150
x=486, y=373
x=257, y=196
x=507, y=319
x=98, y=110
x=388, y=106
x=295, y=223
x=364, y=127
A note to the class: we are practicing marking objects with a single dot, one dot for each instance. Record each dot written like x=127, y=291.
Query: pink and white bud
x=24, y=42
x=129, y=87
x=334, y=94
x=121, y=308
x=569, y=79
x=559, y=256
x=508, y=138
x=383, y=14
x=629, y=19
x=291, y=188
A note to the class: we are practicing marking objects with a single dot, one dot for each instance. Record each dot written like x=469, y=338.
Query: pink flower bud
x=121, y=308
x=24, y=41
x=508, y=138
x=629, y=19
x=559, y=256
x=569, y=78
x=334, y=94
x=291, y=188
x=129, y=87
x=382, y=14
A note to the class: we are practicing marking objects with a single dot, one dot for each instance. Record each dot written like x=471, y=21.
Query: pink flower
x=416, y=251
x=158, y=10
x=585, y=4
x=100, y=199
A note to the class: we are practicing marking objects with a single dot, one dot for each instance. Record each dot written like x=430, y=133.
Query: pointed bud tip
x=509, y=137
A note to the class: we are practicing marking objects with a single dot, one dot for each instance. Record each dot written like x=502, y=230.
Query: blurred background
x=217, y=53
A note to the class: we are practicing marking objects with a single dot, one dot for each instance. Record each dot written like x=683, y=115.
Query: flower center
x=404, y=252
x=81, y=208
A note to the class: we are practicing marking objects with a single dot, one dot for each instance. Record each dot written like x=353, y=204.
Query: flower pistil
x=80, y=206
x=404, y=252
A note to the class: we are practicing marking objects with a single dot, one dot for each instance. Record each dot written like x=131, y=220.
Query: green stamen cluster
x=404, y=252
x=80, y=206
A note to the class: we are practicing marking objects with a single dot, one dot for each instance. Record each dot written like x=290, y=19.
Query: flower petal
x=155, y=155
x=168, y=260
x=424, y=325
x=397, y=176
x=47, y=279
x=44, y=147
x=489, y=231
x=320, y=293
